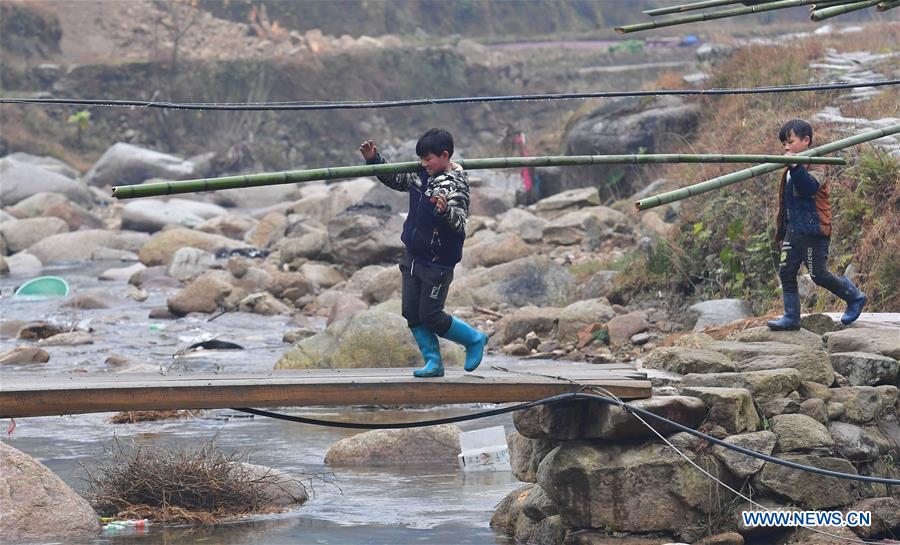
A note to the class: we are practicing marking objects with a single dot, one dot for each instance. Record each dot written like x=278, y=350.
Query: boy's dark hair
x=799, y=127
x=435, y=141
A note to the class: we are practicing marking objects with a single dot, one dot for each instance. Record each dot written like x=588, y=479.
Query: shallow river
x=395, y=504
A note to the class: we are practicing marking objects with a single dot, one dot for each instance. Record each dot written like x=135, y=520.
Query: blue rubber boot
x=791, y=319
x=856, y=300
x=474, y=341
x=431, y=350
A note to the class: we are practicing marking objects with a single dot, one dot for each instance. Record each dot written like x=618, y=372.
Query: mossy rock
x=369, y=339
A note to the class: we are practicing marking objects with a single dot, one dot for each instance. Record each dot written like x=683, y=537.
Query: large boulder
x=730, y=408
x=22, y=180
x=587, y=225
x=332, y=199
x=809, y=490
x=581, y=314
x=51, y=164
x=368, y=339
x=862, y=404
x=534, y=280
x=365, y=235
x=719, y=312
x=683, y=361
x=127, y=164
x=188, y=263
x=630, y=487
x=161, y=247
x=798, y=432
x=764, y=385
x=814, y=365
x=433, y=445
x=875, y=339
x=860, y=444
x=151, y=215
x=739, y=351
x=623, y=327
x=521, y=322
x=865, y=369
x=231, y=225
x=280, y=489
x=207, y=294
x=803, y=337
x=80, y=245
x=885, y=517
x=35, y=504
x=21, y=234
x=495, y=250
x=740, y=465
x=626, y=126
x=523, y=223
x=526, y=455
x=568, y=201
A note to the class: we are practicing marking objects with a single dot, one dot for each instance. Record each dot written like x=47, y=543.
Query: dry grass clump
x=186, y=485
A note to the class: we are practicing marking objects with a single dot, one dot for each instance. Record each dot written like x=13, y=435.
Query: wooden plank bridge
x=23, y=395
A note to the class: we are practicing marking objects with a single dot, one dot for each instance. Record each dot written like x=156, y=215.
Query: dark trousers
x=811, y=251
x=425, y=291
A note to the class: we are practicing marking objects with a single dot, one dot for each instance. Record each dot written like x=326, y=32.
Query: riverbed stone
x=802, y=337
x=231, y=224
x=810, y=490
x=188, y=263
x=322, y=275
x=384, y=285
x=860, y=444
x=533, y=280
x=623, y=327
x=24, y=355
x=683, y=361
x=371, y=338
x=35, y=504
x=814, y=408
x=22, y=180
x=563, y=202
x=882, y=340
x=885, y=517
x=519, y=323
x=526, y=225
x=813, y=365
x=161, y=247
x=740, y=351
x=80, y=245
x=800, y=433
x=578, y=315
x=526, y=454
x=539, y=506
x=730, y=408
x=719, y=312
x=207, y=293
x=263, y=303
x=741, y=465
x=494, y=250
x=818, y=323
x=21, y=234
x=127, y=164
x=434, y=445
x=91, y=299
x=151, y=215
x=862, y=404
x=587, y=225
x=280, y=489
x=358, y=238
x=762, y=384
x=865, y=369
x=613, y=422
x=508, y=512
x=630, y=487
x=69, y=338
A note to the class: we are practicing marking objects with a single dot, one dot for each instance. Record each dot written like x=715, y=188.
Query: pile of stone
x=597, y=475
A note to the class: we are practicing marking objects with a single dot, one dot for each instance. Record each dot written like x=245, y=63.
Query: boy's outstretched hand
x=440, y=203
x=369, y=150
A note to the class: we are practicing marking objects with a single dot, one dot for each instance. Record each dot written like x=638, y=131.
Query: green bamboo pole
x=695, y=5
x=831, y=3
x=733, y=12
x=888, y=4
x=834, y=11
x=741, y=175
x=256, y=180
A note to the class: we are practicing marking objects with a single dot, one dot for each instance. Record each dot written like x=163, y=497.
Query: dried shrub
x=187, y=485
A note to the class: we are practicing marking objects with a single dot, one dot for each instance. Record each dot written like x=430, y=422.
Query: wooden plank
x=42, y=395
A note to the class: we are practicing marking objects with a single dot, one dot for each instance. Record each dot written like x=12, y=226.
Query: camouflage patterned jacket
x=432, y=237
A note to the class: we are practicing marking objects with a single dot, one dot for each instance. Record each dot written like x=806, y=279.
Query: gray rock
x=810, y=490
x=762, y=384
x=102, y=253
x=665, y=492
x=866, y=369
x=495, y=250
x=268, y=231
x=816, y=409
x=588, y=225
x=549, y=531
x=523, y=223
x=23, y=264
x=383, y=286
x=885, y=517
x=80, y=245
x=874, y=340
x=231, y=225
x=161, y=247
x=800, y=433
x=563, y=202
x=739, y=351
x=188, y=263
x=121, y=273
x=24, y=355
x=890, y=397
x=526, y=454
x=37, y=505
x=612, y=422
x=539, y=506
x=533, y=280
x=263, y=303
x=72, y=338
x=810, y=389
x=810, y=340
x=21, y=234
x=313, y=244
x=578, y=315
x=324, y=275
x=508, y=511
x=435, y=445
x=625, y=126
x=280, y=489
x=91, y=299
x=683, y=361
x=730, y=408
x=862, y=404
x=51, y=164
x=152, y=215
x=740, y=465
x=819, y=324
x=127, y=164
x=779, y=405
x=207, y=293
x=359, y=239
x=813, y=365
x=371, y=338
x=835, y=410
x=860, y=444
x=345, y=307
x=720, y=312
x=515, y=325
x=623, y=327
x=22, y=180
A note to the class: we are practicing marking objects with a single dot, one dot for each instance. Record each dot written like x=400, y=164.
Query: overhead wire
x=376, y=104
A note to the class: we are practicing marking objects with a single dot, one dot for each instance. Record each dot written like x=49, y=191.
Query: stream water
x=400, y=504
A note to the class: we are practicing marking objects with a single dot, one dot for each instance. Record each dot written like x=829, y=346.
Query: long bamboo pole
x=698, y=5
x=733, y=12
x=296, y=176
x=834, y=11
x=741, y=175
x=888, y=4
x=829, y=3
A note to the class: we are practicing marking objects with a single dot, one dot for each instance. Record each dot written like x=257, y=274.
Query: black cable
x=358, y=105
x=572, y=396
